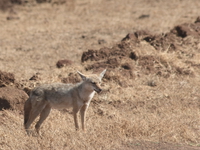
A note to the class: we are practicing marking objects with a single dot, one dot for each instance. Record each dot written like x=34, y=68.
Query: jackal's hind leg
x=27, y=110
x=43, y=115
x=33, y=114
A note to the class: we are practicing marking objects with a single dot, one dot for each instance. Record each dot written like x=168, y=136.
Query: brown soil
x=124, y=55
x=62, y=63
x=12, y=98
x=6, y=78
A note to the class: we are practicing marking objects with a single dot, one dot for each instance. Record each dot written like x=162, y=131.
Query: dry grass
x=163, y=113
x=168, y=112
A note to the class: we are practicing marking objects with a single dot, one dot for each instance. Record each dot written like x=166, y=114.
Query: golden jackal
x=59, y=96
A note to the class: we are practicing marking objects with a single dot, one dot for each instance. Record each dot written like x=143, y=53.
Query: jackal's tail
x=27, y=110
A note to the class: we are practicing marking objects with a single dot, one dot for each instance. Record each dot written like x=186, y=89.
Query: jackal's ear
x=102, y=73
x=82, y=75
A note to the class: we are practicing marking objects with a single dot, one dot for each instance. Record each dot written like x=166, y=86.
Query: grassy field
x=149, y=102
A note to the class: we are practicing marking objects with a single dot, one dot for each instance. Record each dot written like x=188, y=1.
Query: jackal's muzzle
x=98, y=90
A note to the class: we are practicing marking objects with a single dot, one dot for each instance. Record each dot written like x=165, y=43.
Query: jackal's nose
x=98, y=91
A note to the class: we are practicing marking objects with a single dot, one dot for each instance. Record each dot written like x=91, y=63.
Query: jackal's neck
x=84, y=93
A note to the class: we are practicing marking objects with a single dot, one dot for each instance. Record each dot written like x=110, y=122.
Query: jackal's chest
x=88, y=98
x=91, y=95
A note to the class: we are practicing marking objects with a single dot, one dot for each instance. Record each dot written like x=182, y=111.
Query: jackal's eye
x=93, y=82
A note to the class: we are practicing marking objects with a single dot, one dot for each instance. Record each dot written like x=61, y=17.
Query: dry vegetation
x=151, y=96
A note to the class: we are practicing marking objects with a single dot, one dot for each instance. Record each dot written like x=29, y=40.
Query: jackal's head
x=92, y=82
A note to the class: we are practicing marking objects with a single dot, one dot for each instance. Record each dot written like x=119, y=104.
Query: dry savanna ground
x=151, y=49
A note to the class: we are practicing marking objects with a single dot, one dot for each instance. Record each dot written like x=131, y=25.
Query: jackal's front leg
x=75, y=112
x=83, y=112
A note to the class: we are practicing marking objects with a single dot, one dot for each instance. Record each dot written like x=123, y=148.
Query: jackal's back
x=58, y=95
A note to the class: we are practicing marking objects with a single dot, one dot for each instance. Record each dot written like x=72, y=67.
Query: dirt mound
x=12, y=98
x=121, y=60
x=119, y=51
x=72, y=78
x=124, y=59
x=118, y=60
x=64, y=62
x=164, y=42
x=188, y=29
x=173, y=40
x=6, y=79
